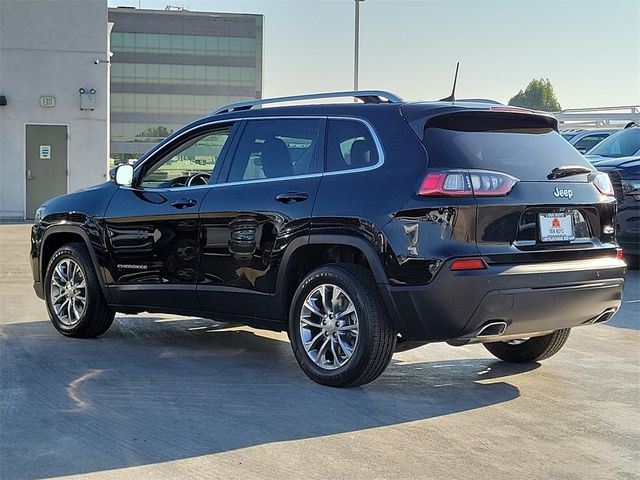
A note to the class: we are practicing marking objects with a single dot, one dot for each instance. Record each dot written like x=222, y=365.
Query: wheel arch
x=305, y=254
x=55, y=237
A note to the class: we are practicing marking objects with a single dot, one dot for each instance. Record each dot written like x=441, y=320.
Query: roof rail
x=367, y=96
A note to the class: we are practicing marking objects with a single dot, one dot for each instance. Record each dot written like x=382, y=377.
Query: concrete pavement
x=165, y=397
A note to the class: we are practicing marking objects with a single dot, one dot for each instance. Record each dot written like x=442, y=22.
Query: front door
x=264, y=201
x=46, y=147
x=153, y=229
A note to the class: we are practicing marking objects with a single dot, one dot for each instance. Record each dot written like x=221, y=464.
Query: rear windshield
x=528, y=153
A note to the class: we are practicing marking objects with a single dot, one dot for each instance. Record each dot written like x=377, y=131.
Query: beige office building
x=54, y=100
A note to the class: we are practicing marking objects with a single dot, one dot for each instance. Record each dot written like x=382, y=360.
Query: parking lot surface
x=167, y=397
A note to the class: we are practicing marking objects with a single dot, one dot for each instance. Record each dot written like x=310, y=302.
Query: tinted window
x=349, y=145
x=590, y=141
x=190, y=164
x=526, y=153
x=275, y=148
x=621, y=144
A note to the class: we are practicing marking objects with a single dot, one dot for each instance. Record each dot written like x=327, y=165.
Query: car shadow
x=155, y=389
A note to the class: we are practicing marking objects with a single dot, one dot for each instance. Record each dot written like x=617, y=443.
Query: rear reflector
x=446, y=183
x=468, y=264
x=456, y=183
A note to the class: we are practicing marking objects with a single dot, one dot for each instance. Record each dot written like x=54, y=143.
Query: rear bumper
x=529, y=298
x=630, y=244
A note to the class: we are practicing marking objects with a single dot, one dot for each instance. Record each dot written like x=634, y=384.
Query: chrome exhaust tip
x=492, y=329
x=604, y=316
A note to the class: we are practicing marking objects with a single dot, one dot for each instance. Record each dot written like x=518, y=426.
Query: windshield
x=621, y=144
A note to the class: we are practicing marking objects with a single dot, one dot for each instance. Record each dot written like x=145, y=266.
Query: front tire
x=532, y=350
x=74, y=299
x=339, y=329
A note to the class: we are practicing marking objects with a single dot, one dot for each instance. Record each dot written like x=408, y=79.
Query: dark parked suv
x=357, y=228
x=624, y=173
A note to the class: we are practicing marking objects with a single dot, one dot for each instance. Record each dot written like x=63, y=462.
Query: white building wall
x=49, y=47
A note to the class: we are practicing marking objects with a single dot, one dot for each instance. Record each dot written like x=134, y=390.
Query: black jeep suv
x=358, y=228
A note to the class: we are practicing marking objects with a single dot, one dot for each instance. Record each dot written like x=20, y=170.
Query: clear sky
x=589, y=49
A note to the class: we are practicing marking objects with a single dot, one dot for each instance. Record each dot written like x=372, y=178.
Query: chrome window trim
x=372, y=131
x=265, y=180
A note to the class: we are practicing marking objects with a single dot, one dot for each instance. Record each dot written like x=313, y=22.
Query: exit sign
x=47, y=102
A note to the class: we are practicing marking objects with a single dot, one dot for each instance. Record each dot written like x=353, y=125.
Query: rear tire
x=531, y=350
x=73, y=295
x=330, y=352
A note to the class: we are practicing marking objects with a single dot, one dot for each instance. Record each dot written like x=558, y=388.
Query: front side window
x=349, y=146
x=622, y=144
x=275, y=148
x=190, y=164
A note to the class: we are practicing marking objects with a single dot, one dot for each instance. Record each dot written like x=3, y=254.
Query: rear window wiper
x=567, y=171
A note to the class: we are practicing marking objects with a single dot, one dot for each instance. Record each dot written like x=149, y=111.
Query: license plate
x=556, y=227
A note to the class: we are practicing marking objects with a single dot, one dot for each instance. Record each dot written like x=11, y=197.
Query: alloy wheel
x=329, y=326
x=68, y=291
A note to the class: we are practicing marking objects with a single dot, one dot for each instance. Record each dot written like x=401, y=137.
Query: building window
x=190, y=44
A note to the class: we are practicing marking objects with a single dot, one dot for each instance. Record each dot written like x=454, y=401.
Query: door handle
x=184, y=203
x=30, y=175
x=291, y=197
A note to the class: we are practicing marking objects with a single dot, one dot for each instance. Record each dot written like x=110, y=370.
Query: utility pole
x=356, y=51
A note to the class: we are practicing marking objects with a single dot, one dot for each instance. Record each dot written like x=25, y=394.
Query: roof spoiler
x=419, y=124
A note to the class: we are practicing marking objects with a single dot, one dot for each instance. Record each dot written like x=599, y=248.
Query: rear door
x=153, y=229
x=544, y=216
x=262, y=203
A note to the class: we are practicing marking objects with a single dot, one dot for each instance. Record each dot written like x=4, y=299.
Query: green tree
x=538, y=96
x=159, y=131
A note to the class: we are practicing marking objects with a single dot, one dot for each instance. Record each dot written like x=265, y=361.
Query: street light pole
x=356, y=42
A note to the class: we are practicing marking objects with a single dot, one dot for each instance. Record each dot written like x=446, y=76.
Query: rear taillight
x=468, y=264
x=467, y=183
x=603, y=184
x=619, y=254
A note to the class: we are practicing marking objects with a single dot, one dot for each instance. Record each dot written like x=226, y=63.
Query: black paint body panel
x=230, y=255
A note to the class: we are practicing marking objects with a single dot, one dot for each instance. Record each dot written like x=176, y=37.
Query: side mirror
x=124, y=175
x=582, y=150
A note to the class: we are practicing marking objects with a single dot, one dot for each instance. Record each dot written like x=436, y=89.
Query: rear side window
x=587, y=143
x=349, y=146
x=522, y=147
x=275, y=148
